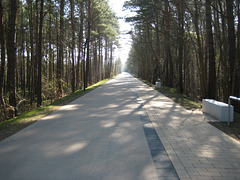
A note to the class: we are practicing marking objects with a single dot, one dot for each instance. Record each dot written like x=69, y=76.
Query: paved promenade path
x=197, y=149
x=122, y=130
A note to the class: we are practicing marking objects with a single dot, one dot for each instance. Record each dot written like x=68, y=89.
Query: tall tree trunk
x=84, y=66
x=80, y=44
x=158, y=50
x=200, y=54
x=180, y=45
x=11, y=53
x=223, y=52
x=59, y=73
x=95, y=62
x=35, y=68
x=50, y=74
x=28, y=67
x=231, y=45
x=22, y=73
x=154, y=55
x=111, y=59
x=2, y=42
x=211, y=53
x=169, y=74
x=100, y=58
x=238, y=51
x=73, y=45
x=106, y=58
x=88, y=42
x=31, y=69
x=39, y=89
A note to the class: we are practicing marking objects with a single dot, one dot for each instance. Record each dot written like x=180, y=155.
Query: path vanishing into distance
x=122, y=130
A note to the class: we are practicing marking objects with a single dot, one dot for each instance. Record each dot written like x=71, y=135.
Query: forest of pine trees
x=192, y=45
x=51, y=48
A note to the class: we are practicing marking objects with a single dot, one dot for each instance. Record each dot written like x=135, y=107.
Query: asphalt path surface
x=101, y=135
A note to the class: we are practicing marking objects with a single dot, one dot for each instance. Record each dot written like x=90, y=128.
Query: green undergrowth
x=176, y=96
x=13, y=125
x=26, y=118
x=67, y=99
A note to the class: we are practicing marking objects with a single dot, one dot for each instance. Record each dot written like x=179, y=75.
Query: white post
x=229, y=109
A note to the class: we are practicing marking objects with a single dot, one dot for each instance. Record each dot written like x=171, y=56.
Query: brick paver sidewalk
x=197, y=149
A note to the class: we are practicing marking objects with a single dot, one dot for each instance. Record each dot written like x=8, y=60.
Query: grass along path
x=11, y=126
x=176, y=96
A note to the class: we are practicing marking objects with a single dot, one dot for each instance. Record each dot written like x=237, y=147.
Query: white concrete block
x=217, y=109
x=158, y=85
